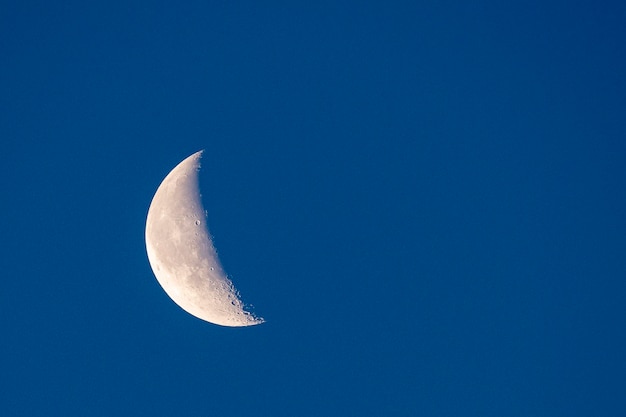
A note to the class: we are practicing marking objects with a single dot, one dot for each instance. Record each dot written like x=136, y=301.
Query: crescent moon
x=182, y=255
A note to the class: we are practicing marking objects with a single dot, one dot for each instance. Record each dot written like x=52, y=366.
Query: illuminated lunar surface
x=182, y=254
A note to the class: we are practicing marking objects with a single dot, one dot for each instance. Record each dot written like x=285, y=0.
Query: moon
x=182, y=255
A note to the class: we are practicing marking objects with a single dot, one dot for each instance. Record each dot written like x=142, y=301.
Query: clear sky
x=425, y=201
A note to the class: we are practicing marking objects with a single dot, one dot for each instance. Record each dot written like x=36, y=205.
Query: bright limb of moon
x=182, y=255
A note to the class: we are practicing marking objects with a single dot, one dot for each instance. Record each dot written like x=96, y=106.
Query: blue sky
x=425, y=201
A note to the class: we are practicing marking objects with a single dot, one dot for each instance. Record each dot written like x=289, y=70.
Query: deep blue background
x=425, y=200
